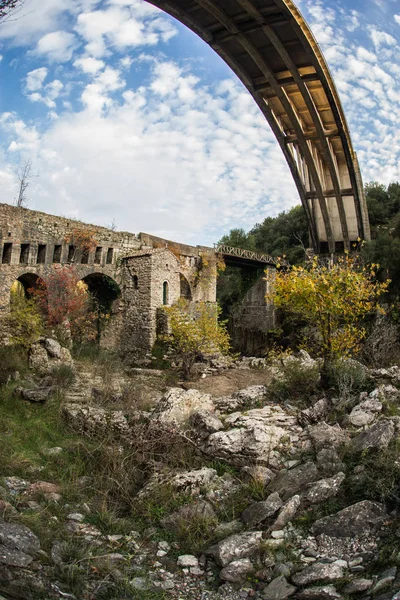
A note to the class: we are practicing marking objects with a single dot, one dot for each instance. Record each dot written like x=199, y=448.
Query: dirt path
x=229, y=382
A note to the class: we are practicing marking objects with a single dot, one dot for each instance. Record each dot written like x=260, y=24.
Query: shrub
x=294, y=381
x=348, y=378
x=24, y=320
x=195, y=331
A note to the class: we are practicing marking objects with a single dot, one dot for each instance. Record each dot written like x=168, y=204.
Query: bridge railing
x=250, y=255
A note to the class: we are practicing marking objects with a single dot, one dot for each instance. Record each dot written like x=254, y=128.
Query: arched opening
x=26, y=285
x=186, y=292
x=104, y=291
x=165, y=293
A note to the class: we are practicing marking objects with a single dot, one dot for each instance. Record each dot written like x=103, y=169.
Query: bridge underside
x=271, y=49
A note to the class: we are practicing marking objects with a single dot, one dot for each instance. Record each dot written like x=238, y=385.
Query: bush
x=348, y=377
x=12, y=359
x=294, y=381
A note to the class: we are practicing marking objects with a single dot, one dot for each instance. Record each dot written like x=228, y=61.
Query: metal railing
x=250, y=255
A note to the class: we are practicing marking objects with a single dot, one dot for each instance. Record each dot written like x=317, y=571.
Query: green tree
x=195, y=331
x=333, y=298
x=24, y=320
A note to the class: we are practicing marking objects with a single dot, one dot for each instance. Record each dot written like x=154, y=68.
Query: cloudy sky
x=129, y=118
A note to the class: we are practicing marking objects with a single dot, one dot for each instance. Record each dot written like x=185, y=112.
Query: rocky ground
x=267, y=492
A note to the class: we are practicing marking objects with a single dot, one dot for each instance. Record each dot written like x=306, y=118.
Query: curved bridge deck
x=273, y=52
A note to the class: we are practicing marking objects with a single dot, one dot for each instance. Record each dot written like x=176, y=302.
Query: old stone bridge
x=137, y=274
x=273, y=52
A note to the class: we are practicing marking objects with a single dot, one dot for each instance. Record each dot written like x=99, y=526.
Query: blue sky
x=128, y=117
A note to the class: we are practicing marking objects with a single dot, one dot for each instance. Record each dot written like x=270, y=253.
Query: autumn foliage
x=334, y=298
x=195, y=330
x=66, y=304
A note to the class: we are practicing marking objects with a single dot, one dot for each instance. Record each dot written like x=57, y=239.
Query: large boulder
x=359, y=519
x=254, y=436
x=46, y=353
x=318, y=572
x=178, y=405
x=327, y=436
x=94, y=421
x=378, y=436
x=366, y=412
x=323, y=489
x=260, y=511
x=186, y=482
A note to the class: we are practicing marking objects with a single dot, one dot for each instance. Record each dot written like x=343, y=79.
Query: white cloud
x=186, y=169
x=397, y=19
x=381, y=38
x=35, y=79
x=120, y=27
x=57, y=46
x=89, y=65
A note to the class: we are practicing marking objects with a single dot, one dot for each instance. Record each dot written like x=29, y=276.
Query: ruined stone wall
x=253, y=319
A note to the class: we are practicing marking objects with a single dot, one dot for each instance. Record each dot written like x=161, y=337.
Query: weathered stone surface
x=237, y=570
x=286, y=513
x=18, y=545
x=278, y=589
x=327, y=436
x=259, y=511
x=385, y=581
x=364, y=413
x=50, y=491
x=259, y=473
x=92, y=420
x=237, y=546
x=35, y=395
x=46, y=353
x=224, y=530
x=328, y=462
x=356, y=520
x=185, y=481
x=187, y=560
x=324, y=489
x=53, y=348
x=318, y=572
x=378, y=436
x=250, y=396
x=326, y=592
x=357, y=586
x=315, y=413
x=205, y=423
x=292, y=481
x=178, y=405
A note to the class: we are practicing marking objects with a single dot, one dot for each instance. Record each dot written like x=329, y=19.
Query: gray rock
x=237, y=570
x=326, y=592
x=286, y=513
x=204, y=422
x=18, y=545
x=292, y=481
x=255, y=394
x=53, y=348
x=357, y=586
x=278, y=589
x=385, y=580
x=259, y=511
x=377, y=436
x=185, y=481
x=187, y=560
x=178, y=405
x=315, y=413
x=324, y=489
x=35, y=395
x=327, y=436
x=365, y=517
x=328, y=462
x=224, y=530
x=95, y=421
x=364, y=413
x=318, y=572
x=237, y=546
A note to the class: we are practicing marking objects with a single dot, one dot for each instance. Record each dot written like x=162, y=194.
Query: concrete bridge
x=269, y=46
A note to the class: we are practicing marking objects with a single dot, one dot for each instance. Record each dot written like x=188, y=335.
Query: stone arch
x=25, y=283
x=103, y=289
x=185, y=289
x=271, y=49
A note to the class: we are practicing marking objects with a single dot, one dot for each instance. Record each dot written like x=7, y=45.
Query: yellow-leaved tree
x=194, y=331
x=334, y=298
